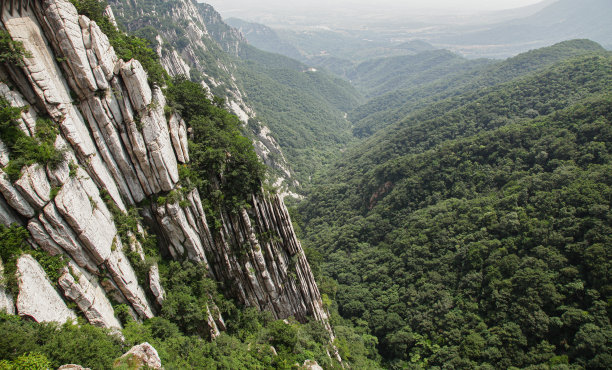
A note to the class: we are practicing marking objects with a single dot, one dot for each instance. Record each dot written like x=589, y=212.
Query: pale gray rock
x=212, y=325
x=37, y=298
x=4, y=154
x=155, y=285
x=6, y=299
x=14, y=197
x=72, y=367
x=62, y=234
x=84, y=290
x=103, y=49
x=42, y=238
x=34, y=186
x=42, y=70
x=181, y=234
x=311, y=365
x=173, y=63
x=157, y=138
x=27, y=122
x=59, y=175
x=111, y=147
x=135, y=79
x=7, y=214
x=125, y=278
x=74, y=129
x=62, y=16
x=175, y=133
x=108, y=11
x=79, y=202
x=146, y=356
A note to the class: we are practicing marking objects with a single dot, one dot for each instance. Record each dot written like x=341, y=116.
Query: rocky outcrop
x=37, y=298
x=72, y=367
x=141, y=356
x=121, y=150
x=311, y=365
x=83, y=289
x=205, y=33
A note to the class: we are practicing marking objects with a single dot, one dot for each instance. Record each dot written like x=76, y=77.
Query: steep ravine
x=120, y=149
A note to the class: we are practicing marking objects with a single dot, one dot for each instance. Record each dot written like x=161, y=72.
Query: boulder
x=140, y=356
x=311, y=365
x=37, y=298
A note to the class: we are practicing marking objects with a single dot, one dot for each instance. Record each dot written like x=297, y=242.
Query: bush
x=26, y=150
x=218, y=150
x=11, y=52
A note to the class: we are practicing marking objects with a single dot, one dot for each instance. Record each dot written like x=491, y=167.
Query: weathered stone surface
x=6, y=299
x=42, y=238
x=155, y=285
x=108, y=139
x=72, y=367
x=37, y=298
x=80, y=204
x=7, y=214
x=27, y=122
x=62, y=234
x=178, y=133
x=4, y=154
x=63, y=17
x=84, y=290
x=157, y=138
x=34, y=186
x=212, y=325
x=311, y=365
x=182, y=234
x=135, y=79
x=104, y=51
x=124, y=276
x=14, y=198
x=145, y=355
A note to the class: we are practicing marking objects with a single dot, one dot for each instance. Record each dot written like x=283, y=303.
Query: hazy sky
x=242, y=5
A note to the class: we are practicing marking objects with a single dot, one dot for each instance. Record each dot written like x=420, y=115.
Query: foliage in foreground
x=253, y=339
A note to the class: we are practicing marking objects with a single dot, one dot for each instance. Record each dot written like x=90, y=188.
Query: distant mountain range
x=561, y=20
x=493, y=35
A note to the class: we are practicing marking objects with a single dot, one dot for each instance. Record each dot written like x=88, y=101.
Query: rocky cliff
x=201, y=48
x=120, y=149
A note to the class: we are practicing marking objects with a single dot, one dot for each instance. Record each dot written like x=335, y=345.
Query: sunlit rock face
x=120, y=149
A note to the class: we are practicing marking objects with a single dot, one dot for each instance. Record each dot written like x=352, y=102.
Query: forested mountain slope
x=376, y=77
x=476, y=231
x=304, y=109
x=395, y=105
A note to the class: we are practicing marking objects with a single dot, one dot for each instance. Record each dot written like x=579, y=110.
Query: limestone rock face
x=155, y=284
x=119, y=150
x=84, y=289
x=37, y=298
x=143, y=355
x=203, y=22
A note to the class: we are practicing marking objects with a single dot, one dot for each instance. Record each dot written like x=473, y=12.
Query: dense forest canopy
x=476, y=231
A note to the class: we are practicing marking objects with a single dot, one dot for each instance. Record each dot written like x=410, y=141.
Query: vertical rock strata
x=116, y=138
